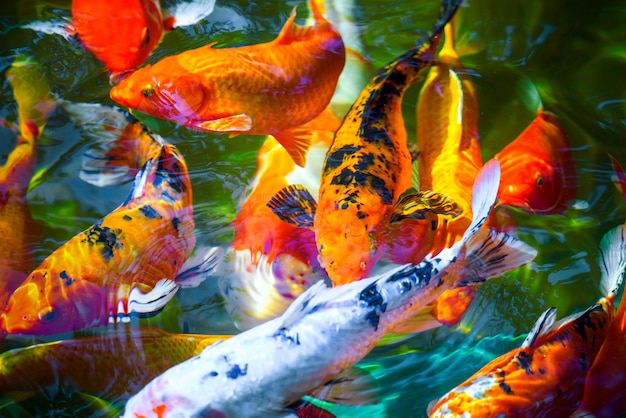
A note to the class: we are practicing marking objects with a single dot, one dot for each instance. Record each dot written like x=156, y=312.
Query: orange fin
x=450, y=306
x=295, y=205
x=234, y=123
x=415, y=205
x=296, y=142
x=353, y=387
x=292, y=32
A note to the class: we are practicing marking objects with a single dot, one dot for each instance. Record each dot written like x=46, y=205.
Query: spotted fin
x=188, y=13
x=353, y=387
x=295, y=205
x=296, y=142
x=203, y=264
x=417, y=204
x=154, y=300
x=542, y=325
x=235, y=123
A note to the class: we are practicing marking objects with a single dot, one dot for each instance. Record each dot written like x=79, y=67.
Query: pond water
x=570, y=54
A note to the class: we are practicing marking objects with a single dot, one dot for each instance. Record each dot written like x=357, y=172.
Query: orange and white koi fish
x=367, y=168
x=132, y=260
x=326, y=330
x=605, y=386
x=123, y=33
x=546, y=375
x=270, y=262
x=19, y=231
x=270, y=88
x=110, y=365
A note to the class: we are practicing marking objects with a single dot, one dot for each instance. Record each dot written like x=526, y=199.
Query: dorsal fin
x=542, y=325
x=292, y=32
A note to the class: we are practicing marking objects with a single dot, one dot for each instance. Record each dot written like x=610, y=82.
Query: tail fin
x=612, y=260
x=187, y=13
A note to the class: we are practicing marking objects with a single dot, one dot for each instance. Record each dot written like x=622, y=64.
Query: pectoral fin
x=234, y=123
x=419, y=322
x=449, y=307
x=416, y=205
x=154, y=300
x=295, y=205
x=198, y=268
x=353, y=387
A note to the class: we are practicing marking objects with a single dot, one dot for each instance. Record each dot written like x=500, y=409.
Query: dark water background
x=571, y=53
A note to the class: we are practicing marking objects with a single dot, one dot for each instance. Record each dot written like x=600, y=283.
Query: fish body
x=270, y=262
x=111, y=365
x=605, y=386
x=263, y=370
x=270, y=88
x=546, y=375
x=126, y=262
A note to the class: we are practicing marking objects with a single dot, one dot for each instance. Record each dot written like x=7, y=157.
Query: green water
x=571, y=53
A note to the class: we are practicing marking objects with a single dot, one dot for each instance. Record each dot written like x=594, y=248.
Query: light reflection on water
x=568, y=57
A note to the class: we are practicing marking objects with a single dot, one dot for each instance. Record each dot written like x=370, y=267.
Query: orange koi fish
x=123, y=33
x=111, y=365
x=19, y=231
x=605, y=387
x=367, y=168
x=136, y=259
x=270, y=262
x=546, y=375
x=256, y=89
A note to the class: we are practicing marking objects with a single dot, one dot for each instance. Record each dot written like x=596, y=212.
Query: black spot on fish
x=149, y=212
x=542, y=371
x=127, y=218
x=103, y=237
x=344, y=206
x=525, y=362
x=334, y=159
x=64, y=276
x=175, y=223
x=283, y=335
x=210, y=374
x=433, y=225
x=237, y=371
x=373, y=317
x=361, y=215
x=375, y=135
x=372, y=297
x=420, y=274
x=583, y=362
x=506, y=388
x=381, y=189
x=365, y=161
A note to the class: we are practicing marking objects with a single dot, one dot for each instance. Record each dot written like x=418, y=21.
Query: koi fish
x=255, y=89
x=546, y=375
x=123, y=33
x=367, y=168
x=270, y=262
x=111, y=365
x=290, y=354
x=605, y=386
x=137, y=259
x=19, y=231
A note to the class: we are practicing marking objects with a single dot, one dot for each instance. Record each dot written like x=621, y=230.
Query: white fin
x=163, y=291
x=96, y=119
x=295, y=311
x=52, y=27
x=353, y=387
x=190, y=13
x=542, y=325
x=612, y=260
x=200, y=266
x=490, y=254
x=419, y=322
x=484, y=194
x=141, y=179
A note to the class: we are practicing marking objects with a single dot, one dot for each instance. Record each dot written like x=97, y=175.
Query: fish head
x=538, y=170
x=120, y=34
x=165, y=95
x=48, y=303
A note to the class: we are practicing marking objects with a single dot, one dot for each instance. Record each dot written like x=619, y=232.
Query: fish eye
x=539, y=181
x=147, y=90
x=47, y=314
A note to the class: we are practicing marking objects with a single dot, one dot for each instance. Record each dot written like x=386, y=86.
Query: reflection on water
x=567, y=56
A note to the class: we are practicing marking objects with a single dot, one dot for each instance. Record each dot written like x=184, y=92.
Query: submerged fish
x=132, y=260
x=111, y=365
x=19, y=231
x=605, y=386
x=546, y=375
x=326, y=330
x=270, y=262
x=270, y=88
x=367, y=168
x=123, y=33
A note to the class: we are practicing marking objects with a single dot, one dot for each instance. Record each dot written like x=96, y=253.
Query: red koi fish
x=111, y=365
x=256, y=89
x=136, y=256
x=270, y=262
x=19, y=231
x=123, y=33
x=605, y=387
x=367, y=168
x=546, y=375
